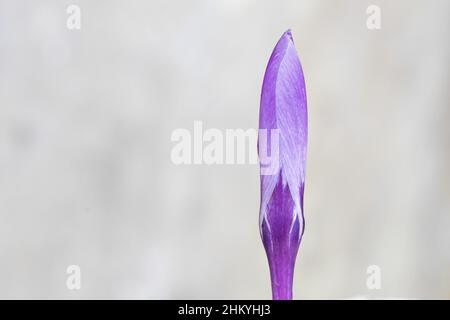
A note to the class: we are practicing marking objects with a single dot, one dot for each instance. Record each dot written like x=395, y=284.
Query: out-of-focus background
x=86, y=176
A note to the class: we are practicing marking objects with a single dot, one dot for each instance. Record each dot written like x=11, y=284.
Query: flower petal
x=283, y=111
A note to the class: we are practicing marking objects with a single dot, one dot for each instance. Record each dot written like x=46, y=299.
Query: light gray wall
x=86, y=176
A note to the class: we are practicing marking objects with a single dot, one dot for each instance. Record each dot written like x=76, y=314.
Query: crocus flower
x=283, y=114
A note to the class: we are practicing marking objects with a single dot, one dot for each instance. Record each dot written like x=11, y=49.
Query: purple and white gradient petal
x=283, y=112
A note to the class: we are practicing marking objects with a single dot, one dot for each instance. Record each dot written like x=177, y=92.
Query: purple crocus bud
x=283, y=134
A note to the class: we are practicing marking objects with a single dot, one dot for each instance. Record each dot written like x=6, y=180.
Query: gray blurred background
x=86, y=177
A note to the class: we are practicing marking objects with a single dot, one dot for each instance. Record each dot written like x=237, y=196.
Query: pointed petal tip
x=288, y=33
